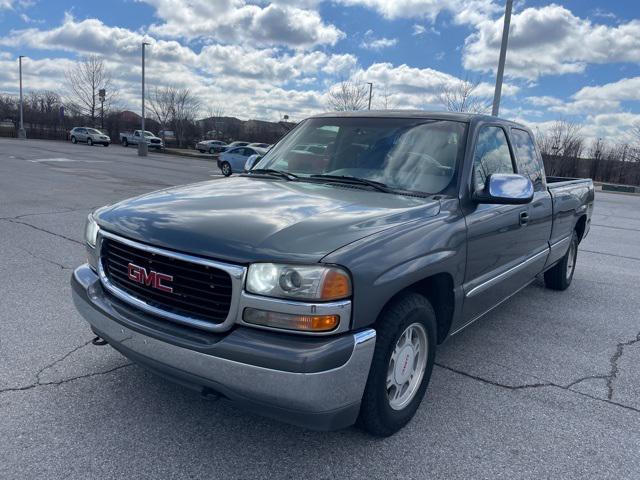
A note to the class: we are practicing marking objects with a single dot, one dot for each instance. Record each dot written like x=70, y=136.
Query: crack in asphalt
x=609, y=377
x=44, y=259
x=61, y=382
x=59, y=235
x=610, y=254
x=38, y=380
x=17, y=217
x=615, y=358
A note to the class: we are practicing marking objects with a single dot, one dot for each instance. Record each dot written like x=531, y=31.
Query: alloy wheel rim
x=407, y=366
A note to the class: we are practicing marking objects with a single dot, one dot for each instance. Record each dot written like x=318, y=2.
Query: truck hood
x=244, y=219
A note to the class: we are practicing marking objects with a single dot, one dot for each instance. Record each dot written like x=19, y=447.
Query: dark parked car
x=317, y=287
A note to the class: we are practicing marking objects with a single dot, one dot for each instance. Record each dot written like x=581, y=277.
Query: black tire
x=376, y=413
x=226, y=169
x=201, y=151
x=89, y=142
x=74, y=139
x=125, y=142
x=212, y=150
x=559, y=277
x=106, y=144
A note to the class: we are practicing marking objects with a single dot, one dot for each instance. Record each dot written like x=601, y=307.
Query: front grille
x=155, y=140
x=200, y=292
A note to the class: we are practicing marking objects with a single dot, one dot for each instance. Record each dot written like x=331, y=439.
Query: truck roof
x=454, y=116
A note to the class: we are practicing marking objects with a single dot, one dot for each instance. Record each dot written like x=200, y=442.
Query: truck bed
x=556, y=182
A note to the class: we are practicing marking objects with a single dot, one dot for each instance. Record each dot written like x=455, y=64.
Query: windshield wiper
x=355, y=181
x=273, y=172
x=382, y=187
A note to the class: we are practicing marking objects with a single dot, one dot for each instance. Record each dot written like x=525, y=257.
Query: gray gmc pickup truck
x=316, y=287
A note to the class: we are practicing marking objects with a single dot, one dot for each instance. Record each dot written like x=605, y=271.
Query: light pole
x=503, y=56
x=142, y=142
x=21, y=132
x=370, y=93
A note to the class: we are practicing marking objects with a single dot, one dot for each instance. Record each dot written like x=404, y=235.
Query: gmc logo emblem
x=151, y=279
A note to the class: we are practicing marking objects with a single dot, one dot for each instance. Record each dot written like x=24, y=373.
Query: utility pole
x=142, y=142
x=370, y=93
x=21, y=132
x=102, y=93
x=501, y=61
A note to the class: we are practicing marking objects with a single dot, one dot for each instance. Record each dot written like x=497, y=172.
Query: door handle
x=524, y=218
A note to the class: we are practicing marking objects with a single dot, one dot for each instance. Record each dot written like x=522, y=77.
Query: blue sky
x=576, y=60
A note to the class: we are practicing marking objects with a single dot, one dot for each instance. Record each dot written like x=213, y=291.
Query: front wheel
x=226, y=169
x=89, y=142
x=559, y=277
x=401, y=366
x=106, y=144
x=74, y=140
x=212, y=151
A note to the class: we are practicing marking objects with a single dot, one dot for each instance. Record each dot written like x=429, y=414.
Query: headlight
x=302, y=282
x=91, y=231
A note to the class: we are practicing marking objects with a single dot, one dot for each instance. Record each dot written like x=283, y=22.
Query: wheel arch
x=581, y=226
x=439, y=290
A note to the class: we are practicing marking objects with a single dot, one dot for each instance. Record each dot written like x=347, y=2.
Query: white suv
x=89, y=135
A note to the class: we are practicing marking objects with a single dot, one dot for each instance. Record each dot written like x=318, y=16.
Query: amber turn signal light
x=307, y=323
x=336, y=284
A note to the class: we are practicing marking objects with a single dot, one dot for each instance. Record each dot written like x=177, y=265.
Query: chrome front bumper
x=326, y=399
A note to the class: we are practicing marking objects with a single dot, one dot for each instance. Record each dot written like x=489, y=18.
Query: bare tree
x=461, y=96
x=185, y=110
x=385, y=99
x=563, y=139
x=84, y=80
x=348, y=96
x=162, y=104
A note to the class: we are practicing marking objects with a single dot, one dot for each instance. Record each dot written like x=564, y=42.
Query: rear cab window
x=527, y=158
x=492, y=155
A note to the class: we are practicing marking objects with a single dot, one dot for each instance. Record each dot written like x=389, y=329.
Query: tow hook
x=99, y=341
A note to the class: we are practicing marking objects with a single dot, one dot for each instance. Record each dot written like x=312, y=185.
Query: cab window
x=527, y=159
x=491, y=156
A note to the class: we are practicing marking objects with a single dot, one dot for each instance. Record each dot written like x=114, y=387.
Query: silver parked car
x=89, y=136
x=234, y=160
x=211, y=146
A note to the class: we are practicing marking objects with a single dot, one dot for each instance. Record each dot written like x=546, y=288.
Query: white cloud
x=235, y=21
x=370, y=42
x=544, y=101
x=463, y=11
x=93, y=36
x=417, y=88
x=551, y=41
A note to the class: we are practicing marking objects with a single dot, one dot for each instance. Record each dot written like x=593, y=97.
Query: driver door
x=495, y=233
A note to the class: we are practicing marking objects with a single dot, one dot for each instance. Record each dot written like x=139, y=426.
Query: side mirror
x=506, y=189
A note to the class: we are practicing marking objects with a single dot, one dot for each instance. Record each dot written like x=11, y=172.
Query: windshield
x=413, y=154
x=148, y=134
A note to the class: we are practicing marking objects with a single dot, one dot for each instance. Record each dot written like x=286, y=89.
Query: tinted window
x=491, y=156
x=526, y=157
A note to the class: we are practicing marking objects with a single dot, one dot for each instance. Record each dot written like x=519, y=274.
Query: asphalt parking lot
x=545, y=386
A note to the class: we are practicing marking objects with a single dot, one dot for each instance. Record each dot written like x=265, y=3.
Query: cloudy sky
x=573, y=59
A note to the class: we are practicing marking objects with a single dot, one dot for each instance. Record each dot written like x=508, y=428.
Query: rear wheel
x=401, y=367
x=125, y=142
x=559, y=277
x=74, y=140
x=89, y=141
x=201, y=151
x=212, y=150
x=226, y=169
